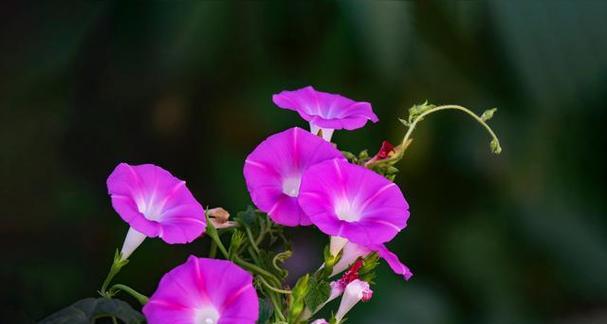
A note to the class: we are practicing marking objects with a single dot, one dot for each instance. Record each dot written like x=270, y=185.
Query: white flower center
x=149, y=208
x=347, y=211
x=290, y=186
x=206, y=315
x=327, y=133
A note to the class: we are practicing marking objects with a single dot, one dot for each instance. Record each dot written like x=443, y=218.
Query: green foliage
x=265, y=311
x=359, y=159
x=318, y=294
x=495, y=146
x=297, y=300
x=367, y=271
x=247, y=217
x=415, y=111
x=88, y=310
x=236, y=242
x=385, y=169
x=488, y=114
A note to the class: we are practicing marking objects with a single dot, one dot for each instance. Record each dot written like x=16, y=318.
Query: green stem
x=117, y=264
x=251, y=240
x=141, y=298
x=212, y=233
x=277, y=308
x=455, y=107
x=220, y=245
x=261, y=236
x=280, y=291
x=495, y=144
x=213, y=250
x=256, y=270
x=252, y=254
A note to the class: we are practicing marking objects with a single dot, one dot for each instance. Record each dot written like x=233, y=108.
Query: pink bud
x=355, y=291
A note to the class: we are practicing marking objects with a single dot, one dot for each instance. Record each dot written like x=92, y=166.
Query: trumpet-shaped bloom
x=353, y=251
x=155, y=204
x=352, y=202
x=207, y=291
x=326, y=111
x=273, y=172
x=354, y=292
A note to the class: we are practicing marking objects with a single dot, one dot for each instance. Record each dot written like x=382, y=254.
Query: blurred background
x=515, y=238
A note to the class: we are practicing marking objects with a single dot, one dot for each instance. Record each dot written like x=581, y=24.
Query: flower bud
x=355, y=291
x=298, y=294
x=220, y=218
x=337, y=243
x=320, y=321
x=221, y=215
x=350, y=253
x=228, y=224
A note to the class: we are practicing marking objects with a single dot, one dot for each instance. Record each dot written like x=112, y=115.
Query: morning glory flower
x=354, y=292
x=352, y=202
x=326, y=111
x=273, y=172
x=155, y=204
x=352, y=252
x=206, y=291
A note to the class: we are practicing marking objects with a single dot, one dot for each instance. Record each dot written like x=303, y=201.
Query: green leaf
x=495, y=146
x=363, y=155
x=348, y=155
x=265, y=311
x=417, y=110
x=238, y=238
x=247, y=217
x=391, y=170
x=87, y=310
x=488, y=114
x=297, y=300
x=318, y=294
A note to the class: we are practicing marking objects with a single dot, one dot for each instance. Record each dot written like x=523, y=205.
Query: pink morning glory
x=353, y=251
x=207, y=291
x=352, y=202
x=155, y=204
x=273, y=172
x=354, y=292
x=326, y=111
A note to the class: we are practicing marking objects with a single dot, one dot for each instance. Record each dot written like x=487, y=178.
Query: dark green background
x=516, y=238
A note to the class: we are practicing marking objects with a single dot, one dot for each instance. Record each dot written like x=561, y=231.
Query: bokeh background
x=516, y=238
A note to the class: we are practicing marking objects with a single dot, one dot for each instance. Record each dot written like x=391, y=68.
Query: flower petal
x=156, y=203
x=273, y=172
x=326, y=110
x=393, y=261
x=204, y=287
x=350, y=201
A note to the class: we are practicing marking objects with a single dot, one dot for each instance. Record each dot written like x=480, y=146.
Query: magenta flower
x=352, y=202
x=353, y=251
x=273, y=172
x=154, y=203
x=207, y=291
x=326, y=111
